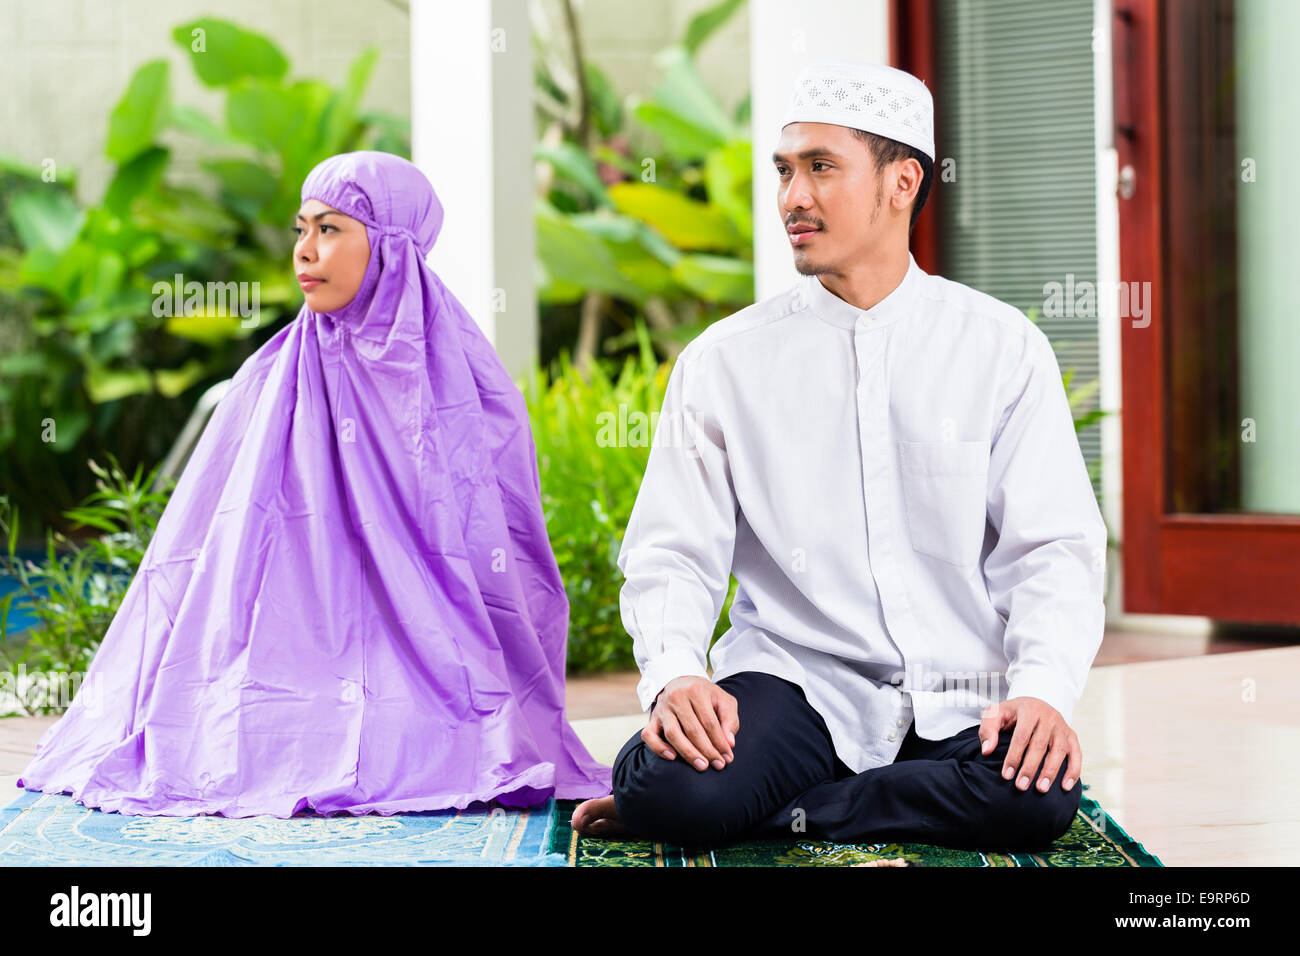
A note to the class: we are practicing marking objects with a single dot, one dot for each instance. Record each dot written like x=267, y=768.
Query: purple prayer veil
x=350, y=603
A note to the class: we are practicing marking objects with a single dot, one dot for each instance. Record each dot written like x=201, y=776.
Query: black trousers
x=785, y=782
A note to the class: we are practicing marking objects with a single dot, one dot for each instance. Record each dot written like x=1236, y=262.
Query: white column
x=1108, y=328
x=472, y=135
x=783, y=38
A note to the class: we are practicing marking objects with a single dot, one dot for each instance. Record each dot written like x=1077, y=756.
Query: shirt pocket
x=945, y=486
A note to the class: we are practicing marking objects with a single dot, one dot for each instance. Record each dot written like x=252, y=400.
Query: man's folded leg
x=782, y=749
x=940, y=792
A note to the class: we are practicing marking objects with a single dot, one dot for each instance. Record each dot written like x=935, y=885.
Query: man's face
x=332, y=248
x=830, y=198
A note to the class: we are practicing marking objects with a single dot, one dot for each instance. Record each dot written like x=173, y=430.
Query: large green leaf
x=707, y=21
x=630, y=167
x=683, y=92
x=575, y=166
x=606, y=105
x=42, y=268
x=286, y=121
x=341, y=113
x=274, y=117
x=107, y=230
x=554, y=291
x=191, y=121
x=19, y=167
x=223, y=53
x=46, y=218
x=683, y=139
x=685, y=222
x=83, y=270
x=626, y=240
x=108, y=385
x=728, y=177
x=209, y=327
x=649, y=274
x=98, y=318
x=139, y=174
x=572, y=254
x=173, y=381
x=744, y=111
x=617, y=229
x=187, y=215
x=246, y=186
x=277, y=285
x=141, y=113
x=104, y=281
x=117, y=341
x=22, y=363
x=716, y=278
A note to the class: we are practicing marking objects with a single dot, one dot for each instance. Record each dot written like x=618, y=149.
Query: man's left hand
x=1040, y=729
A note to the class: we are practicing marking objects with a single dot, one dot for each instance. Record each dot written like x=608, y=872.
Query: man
x=886, y=460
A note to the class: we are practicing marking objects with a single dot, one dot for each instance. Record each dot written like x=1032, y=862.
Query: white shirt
x=901, y=497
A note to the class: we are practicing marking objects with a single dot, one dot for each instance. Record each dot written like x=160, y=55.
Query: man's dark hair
x=885, y=151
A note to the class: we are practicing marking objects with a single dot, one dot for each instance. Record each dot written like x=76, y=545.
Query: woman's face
x=330, y=256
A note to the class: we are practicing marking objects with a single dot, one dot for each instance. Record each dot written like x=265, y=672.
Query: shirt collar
x=831, y=308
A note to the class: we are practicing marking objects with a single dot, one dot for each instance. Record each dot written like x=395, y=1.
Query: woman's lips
x=309, y=283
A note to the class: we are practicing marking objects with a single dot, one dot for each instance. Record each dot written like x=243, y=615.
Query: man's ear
x=909, y=174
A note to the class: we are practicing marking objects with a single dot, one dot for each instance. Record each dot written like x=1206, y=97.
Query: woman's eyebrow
x=320, y=215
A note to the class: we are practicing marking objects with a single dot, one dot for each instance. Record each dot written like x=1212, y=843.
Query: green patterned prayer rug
x=1094, y=839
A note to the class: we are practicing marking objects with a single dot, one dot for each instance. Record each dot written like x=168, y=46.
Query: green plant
x=91, y=360
x=78, y=590
x=593, y=442
x=645, y=207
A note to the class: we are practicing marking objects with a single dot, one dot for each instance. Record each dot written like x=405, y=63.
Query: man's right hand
x=696, y=718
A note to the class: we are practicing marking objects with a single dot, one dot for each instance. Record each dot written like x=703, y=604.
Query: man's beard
x=809, y=266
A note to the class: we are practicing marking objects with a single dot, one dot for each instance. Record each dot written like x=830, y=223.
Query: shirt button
x=900, y=723
x=892, y=735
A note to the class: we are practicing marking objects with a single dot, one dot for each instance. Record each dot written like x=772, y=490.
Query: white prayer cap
x=866, y=96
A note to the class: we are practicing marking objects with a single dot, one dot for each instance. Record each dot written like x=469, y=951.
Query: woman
x=350, y=603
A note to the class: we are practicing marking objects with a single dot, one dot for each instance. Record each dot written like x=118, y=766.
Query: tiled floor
x=1189, y=740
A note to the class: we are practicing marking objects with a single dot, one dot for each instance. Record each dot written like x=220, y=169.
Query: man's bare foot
x=598, y=817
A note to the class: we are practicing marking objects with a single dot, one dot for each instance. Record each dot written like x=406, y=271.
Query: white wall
x=64, y=64
x=622, y=38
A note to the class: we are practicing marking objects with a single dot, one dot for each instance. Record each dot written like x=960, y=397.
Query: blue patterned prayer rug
x=40, y=829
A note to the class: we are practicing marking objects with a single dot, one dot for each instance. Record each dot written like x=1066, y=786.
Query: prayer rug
x=40, y=829
x=1094, y=839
